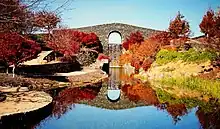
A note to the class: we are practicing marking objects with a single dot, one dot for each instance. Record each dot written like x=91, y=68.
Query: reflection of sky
x=148, y=117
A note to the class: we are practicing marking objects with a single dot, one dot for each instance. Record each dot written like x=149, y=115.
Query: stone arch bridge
x=103, y=32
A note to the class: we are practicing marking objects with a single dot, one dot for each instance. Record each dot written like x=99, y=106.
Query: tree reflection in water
x=176, y=111
x=65, y=100
x=209, y=120
x=136, y=91
x=139, y=92
x=146, y=94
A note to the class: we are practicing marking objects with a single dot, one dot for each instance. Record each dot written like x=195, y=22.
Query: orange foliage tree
x=125, y=58
x=163, y=38
x=143, y=55
x=143, y=52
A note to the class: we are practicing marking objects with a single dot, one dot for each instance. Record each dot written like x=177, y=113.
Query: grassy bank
x=165, y=56
x=208, y=87
x=180, y=69
x=165, y=97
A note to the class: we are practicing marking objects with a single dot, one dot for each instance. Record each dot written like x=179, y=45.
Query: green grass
x=208, y=87
x=165, y=56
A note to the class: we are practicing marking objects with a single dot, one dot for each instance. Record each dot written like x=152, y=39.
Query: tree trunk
x=7, y=70
x=49, y=34
x=55, y=54
x=13, y=70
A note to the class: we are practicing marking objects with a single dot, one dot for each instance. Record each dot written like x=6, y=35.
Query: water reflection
x=65, y=100
x=139, y=106
x=114, y=84
x=138, y=91
x=209, y=120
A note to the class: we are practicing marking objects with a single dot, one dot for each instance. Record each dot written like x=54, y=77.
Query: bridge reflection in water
x=114, y=53
x=139, y=106
x=114, y=84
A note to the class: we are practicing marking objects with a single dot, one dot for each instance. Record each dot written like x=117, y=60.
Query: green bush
x=165, y=56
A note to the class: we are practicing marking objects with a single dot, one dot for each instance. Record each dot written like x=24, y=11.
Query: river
x=137, y=105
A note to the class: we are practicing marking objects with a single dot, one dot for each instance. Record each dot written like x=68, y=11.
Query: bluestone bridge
x=112, y=35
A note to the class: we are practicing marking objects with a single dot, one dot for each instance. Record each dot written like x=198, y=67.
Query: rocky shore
x=23, y=94
x=23, y=102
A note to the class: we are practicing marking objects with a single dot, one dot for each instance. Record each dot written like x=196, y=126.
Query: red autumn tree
x=14, y=16
x=91, y=41
x=18, y=15
x=217, y=24
x=179, y=27
x=16, y=49
x=46, y=20
x=134, y=38
x=63, y=42
x=71, y=43
x=207, y=25
x=136, y=62
x=210, y=24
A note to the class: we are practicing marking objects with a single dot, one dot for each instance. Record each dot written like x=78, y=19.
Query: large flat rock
x=22, y=102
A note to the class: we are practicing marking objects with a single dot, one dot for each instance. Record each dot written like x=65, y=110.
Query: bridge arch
x=114, y=47
x=114, y=37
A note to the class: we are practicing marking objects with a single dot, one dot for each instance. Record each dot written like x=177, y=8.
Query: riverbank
x=24, y=102
x=24, y=94
x=189, y=73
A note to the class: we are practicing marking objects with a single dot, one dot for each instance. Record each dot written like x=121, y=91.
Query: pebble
x=23, y=89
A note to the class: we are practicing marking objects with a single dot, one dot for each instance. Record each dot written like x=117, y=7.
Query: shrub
x=141, y=55
x=103, y=56
x=147, y=63
x=166, y=56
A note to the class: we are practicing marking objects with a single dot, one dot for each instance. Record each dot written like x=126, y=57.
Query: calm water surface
x=139, y=107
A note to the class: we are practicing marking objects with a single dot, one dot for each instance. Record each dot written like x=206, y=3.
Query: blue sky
x=155, y=14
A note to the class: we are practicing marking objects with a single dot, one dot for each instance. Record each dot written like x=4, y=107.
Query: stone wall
x=48, y=68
